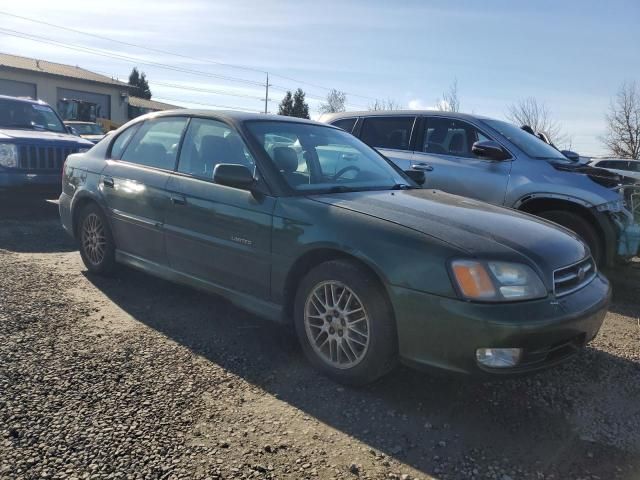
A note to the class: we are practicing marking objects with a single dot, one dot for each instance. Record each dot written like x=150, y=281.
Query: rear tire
x=97, y=247
x=345, y=323
x=580, y=227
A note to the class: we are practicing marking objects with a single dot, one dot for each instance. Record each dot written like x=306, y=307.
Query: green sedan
x=303, y=224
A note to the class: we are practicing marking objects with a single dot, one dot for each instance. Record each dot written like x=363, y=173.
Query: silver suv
x=497, y=162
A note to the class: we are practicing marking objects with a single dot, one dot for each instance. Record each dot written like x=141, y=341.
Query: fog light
x=498, y=357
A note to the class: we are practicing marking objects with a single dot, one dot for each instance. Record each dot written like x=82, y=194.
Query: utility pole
x=266, y=96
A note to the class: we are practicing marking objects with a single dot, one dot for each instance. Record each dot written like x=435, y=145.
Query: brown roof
x=59, y=69
x=150, y=104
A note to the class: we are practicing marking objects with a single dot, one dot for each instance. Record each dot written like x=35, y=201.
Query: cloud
x=419, y=104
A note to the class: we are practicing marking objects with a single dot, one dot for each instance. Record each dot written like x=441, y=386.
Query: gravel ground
x=134, y=377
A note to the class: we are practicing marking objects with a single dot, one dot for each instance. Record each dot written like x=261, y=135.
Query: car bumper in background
x=445, y=333
x=24, y=179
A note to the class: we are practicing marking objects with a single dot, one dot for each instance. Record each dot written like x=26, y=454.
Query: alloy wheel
x=94, y=239
x=336, y=324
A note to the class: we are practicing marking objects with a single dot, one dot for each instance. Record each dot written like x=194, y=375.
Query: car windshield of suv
x=87, y=128
x=529, y=144
x=324, y=159
x=17, y=114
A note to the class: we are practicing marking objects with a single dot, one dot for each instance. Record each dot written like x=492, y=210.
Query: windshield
x=87, y=128
x=324, y=159
x=529, y=144
x=17, y=114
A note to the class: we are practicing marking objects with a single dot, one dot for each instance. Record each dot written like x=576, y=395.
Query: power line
x=166, y=52
x=207, y=104
x=80, y=48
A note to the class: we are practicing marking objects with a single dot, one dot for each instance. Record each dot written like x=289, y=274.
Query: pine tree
x=300, y=107
x=286, y=105
x=139, y=82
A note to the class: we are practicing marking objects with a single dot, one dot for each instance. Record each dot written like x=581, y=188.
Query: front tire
x=580, y=227
x=97, y=247
x=345, y=323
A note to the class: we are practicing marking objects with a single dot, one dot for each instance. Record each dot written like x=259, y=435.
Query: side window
x=122, y=140
x=387, y=132
x=156, y=143
x=447, y=136
x=345, y=124
x=208, y=143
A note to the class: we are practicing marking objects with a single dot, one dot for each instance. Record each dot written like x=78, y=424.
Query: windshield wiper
x=341, y=189
x=402, y=186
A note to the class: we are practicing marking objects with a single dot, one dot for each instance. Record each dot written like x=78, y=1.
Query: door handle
x=422, y=166
x=178, y=200
x=108, y=182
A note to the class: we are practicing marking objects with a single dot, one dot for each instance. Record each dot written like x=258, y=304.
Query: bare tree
x=450, y=101
x=535, y=114
x=623, y=122
x=387, y=104
x=336, y=101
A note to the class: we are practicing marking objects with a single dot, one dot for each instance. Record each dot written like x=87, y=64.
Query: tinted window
x=317, y=158
x=122, y=140
x=156, y=143
x=346, y=124
x=387, y=132
x=27, y=115
x=208, y=143
x=446, y=136
x=529, y=144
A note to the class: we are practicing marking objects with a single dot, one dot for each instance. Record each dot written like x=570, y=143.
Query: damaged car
x=498, y=162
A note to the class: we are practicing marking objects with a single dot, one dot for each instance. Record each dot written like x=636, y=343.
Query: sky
x=571, y=55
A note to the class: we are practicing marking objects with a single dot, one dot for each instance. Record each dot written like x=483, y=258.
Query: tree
x=387, y=104
x=450, y=101
x=623, y=122
x=286, y=105
x=535, y=114
x=335, y=102
x=138, y=80
x=300, y=107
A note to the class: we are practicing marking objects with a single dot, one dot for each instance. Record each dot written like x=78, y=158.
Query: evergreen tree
x=139, y=82
x=300, y=107
x=286, y=105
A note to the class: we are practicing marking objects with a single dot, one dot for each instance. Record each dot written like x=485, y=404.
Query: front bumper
x=445, y=333
x=18, y=179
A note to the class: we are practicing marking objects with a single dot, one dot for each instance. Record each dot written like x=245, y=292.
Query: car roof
x=330, y=117
x=230, y=115
x=24, y=100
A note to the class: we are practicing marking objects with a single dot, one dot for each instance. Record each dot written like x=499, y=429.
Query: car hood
x=478, y=228
x=23, y=136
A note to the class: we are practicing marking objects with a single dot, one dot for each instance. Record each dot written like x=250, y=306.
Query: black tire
x=580, y=227
x=104, y=264
x=382, y=352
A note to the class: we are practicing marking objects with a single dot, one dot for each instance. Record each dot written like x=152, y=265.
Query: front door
x=444, y=153
x=134, y=181
x=216, y=233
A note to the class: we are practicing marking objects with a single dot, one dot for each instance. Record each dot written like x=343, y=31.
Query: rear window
x=387, y=132
x=345, y=124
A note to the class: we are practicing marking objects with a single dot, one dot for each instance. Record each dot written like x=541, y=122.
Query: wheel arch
x=311, y=259
x=82, y=199
x=603, y=226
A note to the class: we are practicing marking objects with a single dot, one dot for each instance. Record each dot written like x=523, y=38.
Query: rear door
x=134, y=181
x=443, y=149
x=217, y=233
x=391, y=136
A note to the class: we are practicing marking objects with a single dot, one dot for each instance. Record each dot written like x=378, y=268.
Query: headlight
x=496, y=281
x=8, y=155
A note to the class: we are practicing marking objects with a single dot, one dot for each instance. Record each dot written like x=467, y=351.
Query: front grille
x=43, y=157
x=567, y=280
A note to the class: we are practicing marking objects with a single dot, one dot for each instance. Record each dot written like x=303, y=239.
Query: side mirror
x=72, y=131
x=417, y=176
x=233, y=175
x=573, y=156
x=489, y=149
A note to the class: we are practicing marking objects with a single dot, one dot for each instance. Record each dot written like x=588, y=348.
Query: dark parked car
x=88, y=130
x=33, y=144
x=302, y=223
